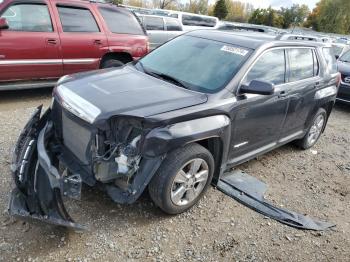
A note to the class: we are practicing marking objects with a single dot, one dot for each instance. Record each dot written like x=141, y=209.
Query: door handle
x=98, y=42
x=282, y=94
x=317, y=84
x=52, y=41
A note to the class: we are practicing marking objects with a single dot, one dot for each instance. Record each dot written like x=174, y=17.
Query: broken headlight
x=118, y=151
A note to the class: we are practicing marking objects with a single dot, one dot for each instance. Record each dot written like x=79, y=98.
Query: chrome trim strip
x=31, y=62
x=252, y=153
x=240, y=144
x=343, y=100
x=343, y=83
x=80, y=61
x=285, y=139
x=48, y=61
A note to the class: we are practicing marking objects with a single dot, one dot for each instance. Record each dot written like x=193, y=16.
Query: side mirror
x=3, y=23
x=258, y=87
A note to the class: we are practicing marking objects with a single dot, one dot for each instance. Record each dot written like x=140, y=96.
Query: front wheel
x=182, y=179
x=315, y=131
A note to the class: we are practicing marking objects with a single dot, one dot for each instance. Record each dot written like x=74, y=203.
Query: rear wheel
x=182, y=179
x=315, y=131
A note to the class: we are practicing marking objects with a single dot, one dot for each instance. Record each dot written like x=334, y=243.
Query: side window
x=121, y=21
x=76, y=19
x=154, y=23
x=173, y=25
x=301, y=62
x=271, y=67
x=330, y=59
x=28, y=18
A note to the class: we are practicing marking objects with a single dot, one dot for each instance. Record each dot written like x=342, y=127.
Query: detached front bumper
x=39, y=185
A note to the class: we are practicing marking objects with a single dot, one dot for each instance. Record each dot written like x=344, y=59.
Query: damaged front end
x=39, y=186
x=58, y=151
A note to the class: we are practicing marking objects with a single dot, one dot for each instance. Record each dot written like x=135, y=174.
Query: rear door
x=303, y=80
x=30, y=48
x=83, y=42
x=155, y=30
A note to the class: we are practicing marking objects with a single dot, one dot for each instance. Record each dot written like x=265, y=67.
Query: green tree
x=220, y=9
x=295, y=15
x=267, y=16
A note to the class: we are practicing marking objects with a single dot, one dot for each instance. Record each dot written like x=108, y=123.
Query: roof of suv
x=252, y=40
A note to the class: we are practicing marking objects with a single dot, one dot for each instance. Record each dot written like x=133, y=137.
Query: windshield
x=198, y=64
x=345, y=57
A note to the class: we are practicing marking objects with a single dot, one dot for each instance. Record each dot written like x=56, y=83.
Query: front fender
x=164, y=139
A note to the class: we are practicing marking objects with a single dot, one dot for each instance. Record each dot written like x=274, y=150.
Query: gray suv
x=172, y=122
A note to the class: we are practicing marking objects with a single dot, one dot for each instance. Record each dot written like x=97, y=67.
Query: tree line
x=331, y=16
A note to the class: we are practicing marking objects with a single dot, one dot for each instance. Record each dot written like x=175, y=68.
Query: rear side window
x=28, y=18
x=121, y=21
x=153, y=23
x=301, y=62
x=330, y=59
x=271, y=67
x=75, y=19
x=173, y=25
x=194, y=20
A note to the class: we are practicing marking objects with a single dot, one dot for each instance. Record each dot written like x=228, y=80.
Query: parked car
x=344, y=69
x=192, y=21
x=41, y=41
x=160, y=29
x=170, y=124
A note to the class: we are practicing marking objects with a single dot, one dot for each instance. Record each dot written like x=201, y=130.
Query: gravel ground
x=314, y=182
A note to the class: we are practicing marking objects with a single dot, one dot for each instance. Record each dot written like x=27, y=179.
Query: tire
x=111, y=63
x=165, y=183
x=316, y=128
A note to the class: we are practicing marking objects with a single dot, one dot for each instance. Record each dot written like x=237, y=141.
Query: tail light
x=338, y=79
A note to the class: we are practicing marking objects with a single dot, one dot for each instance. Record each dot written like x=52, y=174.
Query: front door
x=82, y=40
x=258, y=119
x=30, y=48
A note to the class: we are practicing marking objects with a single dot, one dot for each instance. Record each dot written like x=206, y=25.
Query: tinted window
x=77, y=20
x=153, y=23
x=28, y=17
x=301, y=64
x=173, y=25
x=330, y=60
x=271, y=67
x=121, y=21
x=203, y=65
x=194, y=20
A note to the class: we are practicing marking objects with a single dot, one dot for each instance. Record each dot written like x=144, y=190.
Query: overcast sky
x=280, y=3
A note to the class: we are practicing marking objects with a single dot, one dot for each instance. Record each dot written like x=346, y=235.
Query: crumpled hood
x=127, y=91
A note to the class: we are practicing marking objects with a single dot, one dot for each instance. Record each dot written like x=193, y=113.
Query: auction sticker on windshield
x=234, y=50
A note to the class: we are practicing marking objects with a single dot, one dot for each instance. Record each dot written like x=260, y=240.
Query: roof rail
x=287, y=36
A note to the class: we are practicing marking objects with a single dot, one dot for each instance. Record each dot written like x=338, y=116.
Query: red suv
x=42, y=40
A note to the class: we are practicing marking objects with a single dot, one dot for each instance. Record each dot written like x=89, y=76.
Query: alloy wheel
x=189, y=182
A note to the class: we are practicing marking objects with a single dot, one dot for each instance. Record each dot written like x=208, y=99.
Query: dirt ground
x=314, y=182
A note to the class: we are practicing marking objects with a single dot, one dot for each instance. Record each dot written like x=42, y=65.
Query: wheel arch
x=124, y=57
x=212, y=132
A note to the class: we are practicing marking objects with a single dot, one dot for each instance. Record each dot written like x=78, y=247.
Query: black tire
x=161, y=185
x=111, y=63
x=305, y=142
